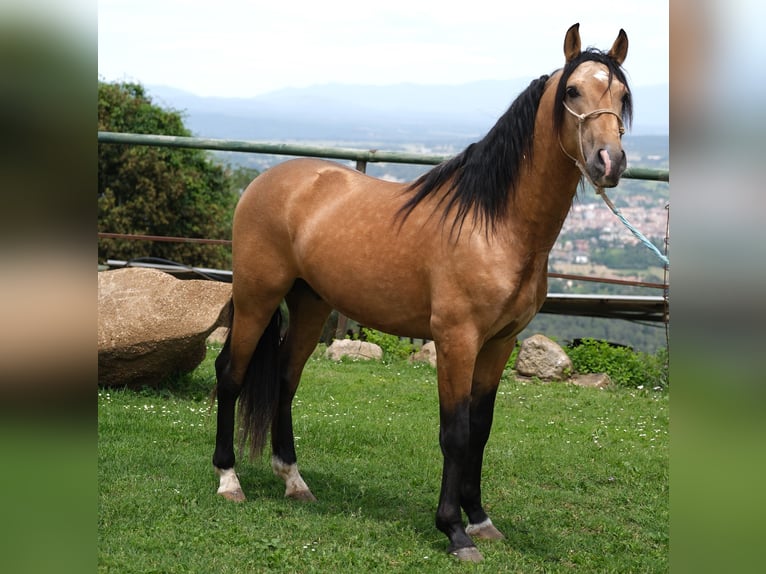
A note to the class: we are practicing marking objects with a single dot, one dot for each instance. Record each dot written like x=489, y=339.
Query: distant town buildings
x=591, y=224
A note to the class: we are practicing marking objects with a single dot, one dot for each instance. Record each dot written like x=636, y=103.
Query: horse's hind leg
x=308, y=314
x=231, y=366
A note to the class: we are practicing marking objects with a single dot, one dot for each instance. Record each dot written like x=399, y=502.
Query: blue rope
x=600, y=190
x=633, y=230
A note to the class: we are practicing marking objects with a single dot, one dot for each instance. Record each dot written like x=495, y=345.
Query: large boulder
x=353, y=349
x=541, y=357
x=152, y=325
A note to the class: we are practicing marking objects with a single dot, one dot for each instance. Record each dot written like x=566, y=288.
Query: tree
x=156, y=190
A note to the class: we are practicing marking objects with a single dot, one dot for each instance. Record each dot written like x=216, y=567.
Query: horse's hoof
x=234, y=495
x=468, y=554
x=302, y=496
x=485, y=531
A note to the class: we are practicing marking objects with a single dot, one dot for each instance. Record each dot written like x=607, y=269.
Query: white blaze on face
x=601, y=76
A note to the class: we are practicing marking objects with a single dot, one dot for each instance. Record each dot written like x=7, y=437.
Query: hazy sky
x=242, y=48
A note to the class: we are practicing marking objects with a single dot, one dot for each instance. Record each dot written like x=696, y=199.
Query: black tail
x=259, y=394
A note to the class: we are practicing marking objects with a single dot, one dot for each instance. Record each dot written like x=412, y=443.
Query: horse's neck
x=545, y=191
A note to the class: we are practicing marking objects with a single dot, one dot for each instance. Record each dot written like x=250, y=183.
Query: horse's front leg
x=455, y=365
x=486, y=378
x=454, y=441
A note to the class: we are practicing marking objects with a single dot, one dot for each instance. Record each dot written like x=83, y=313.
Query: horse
x=483, y=221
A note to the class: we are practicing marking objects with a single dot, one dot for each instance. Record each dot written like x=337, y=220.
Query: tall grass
x=576, y=478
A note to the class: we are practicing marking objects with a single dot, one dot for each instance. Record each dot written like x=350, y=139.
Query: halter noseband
x=581, y=118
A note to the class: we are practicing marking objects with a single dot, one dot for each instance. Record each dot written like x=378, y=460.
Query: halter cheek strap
x=581, y=118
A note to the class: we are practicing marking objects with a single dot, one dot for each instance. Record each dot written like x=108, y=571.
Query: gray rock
x=353, y=349
x=542, y=358
x=594, y=380
x=152, y=325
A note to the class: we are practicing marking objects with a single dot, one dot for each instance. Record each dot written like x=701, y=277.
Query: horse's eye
x=573, y=92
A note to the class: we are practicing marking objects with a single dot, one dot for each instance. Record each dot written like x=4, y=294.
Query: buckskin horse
x=484, y=222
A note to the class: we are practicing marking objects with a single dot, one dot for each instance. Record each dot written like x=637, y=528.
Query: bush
x=511, y=362
x=623, y=365
x=151, y=190
x=393, y=347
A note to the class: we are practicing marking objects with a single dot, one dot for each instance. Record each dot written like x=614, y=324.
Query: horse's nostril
x=604, y=155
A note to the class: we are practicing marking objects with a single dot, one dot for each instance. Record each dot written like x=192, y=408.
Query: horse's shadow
x=337, y=495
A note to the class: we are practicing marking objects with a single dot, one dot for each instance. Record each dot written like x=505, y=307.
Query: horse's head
x=592, y=105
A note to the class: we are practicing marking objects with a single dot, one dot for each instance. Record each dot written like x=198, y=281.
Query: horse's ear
x=572, y=42
x=620, y=48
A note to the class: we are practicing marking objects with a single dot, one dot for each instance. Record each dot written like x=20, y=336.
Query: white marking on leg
x=295, y=487
x=472, y=528
x=228, y=480
x=484, y=530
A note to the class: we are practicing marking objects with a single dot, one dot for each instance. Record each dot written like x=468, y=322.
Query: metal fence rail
x=359, y=155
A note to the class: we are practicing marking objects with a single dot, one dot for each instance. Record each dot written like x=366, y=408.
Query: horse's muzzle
x=606, y=166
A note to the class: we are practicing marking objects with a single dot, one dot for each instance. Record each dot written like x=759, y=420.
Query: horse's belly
x=385, y=305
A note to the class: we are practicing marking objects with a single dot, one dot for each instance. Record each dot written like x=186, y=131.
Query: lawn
x=576, y=478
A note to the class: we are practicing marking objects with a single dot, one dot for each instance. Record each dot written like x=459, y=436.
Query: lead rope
x=600, y=190
x=665, y=261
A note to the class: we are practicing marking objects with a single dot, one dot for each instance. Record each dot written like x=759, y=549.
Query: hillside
x=425, y=114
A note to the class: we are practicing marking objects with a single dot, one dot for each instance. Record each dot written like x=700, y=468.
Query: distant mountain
x=427, y=114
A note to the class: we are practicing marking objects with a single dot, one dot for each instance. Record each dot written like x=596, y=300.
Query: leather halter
x=581, y=119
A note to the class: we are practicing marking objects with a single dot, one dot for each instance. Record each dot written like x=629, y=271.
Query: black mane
x=483, y=172
x=484, y=176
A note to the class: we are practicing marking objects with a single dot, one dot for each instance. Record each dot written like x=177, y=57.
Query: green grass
x=577, y=479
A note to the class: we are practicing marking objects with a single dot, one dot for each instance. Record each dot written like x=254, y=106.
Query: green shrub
x=511, y=362
x=624, y=366
x=393, y=347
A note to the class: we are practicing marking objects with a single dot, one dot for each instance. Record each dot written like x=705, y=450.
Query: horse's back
x=300, y=191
